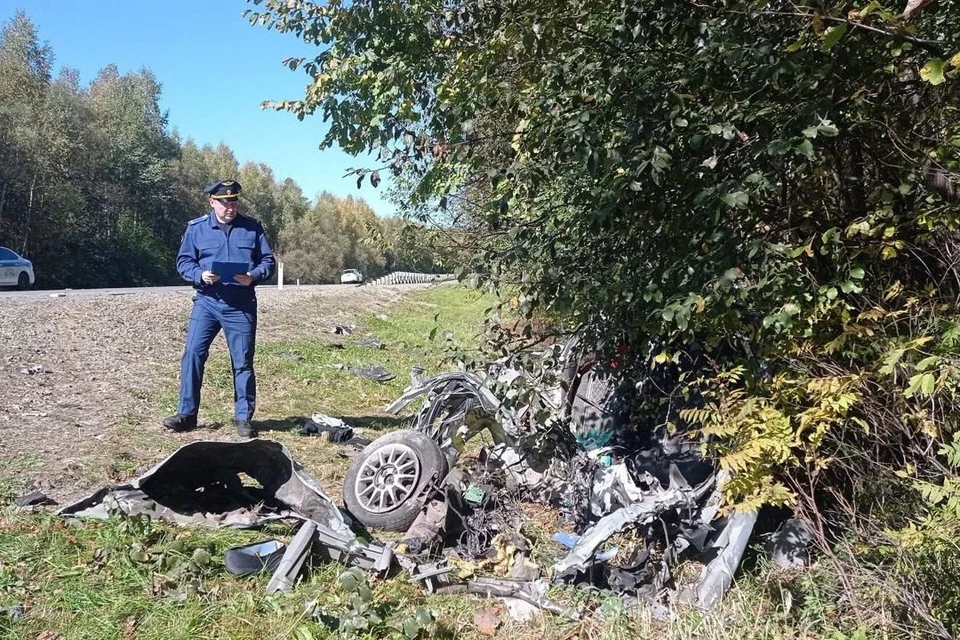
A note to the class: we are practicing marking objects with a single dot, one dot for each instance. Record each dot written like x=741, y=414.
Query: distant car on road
x=351, y=276
x=15, y=271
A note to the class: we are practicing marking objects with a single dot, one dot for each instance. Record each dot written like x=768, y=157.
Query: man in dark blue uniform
x=225, y=241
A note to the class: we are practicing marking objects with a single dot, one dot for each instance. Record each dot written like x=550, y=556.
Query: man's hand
x=209, y=277
x=245, y=280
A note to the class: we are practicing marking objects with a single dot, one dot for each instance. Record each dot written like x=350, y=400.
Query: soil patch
x=79, y=375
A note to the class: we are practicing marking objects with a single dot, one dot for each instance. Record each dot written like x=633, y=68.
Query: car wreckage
x=661, y=495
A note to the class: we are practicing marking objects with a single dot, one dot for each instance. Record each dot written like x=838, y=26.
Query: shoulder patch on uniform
x=197, y=220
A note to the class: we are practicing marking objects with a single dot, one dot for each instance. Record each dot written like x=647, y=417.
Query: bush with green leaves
x=773, y=181
x=354, y=612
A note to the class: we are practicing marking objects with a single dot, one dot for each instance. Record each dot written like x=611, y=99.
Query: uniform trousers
x=238, y=319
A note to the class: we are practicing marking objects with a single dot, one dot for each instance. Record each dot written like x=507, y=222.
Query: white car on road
x=351, y=276
x=15, y=271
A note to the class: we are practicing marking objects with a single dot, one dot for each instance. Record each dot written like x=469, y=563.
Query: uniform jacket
x=205, y=243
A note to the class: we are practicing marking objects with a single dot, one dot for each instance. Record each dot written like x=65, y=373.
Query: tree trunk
x=26, y=224
x=3, y=200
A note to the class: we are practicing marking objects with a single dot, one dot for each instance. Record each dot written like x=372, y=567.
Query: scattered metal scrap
x=204, y=483
x=654, y=487
x=643, y=512
x=370, y=343
x=293, y=559
x=332, y=429
x=34, y=499
x=375, y=372
x=717, y=576
x=652, y=491
x=459, y=406
x=254, y=558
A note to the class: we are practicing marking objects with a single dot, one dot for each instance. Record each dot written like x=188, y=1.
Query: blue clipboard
x=226, y=271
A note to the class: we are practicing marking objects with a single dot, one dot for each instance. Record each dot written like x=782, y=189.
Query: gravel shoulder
x=79, y=376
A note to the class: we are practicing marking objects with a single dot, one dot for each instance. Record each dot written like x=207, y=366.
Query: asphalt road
x=144, y=291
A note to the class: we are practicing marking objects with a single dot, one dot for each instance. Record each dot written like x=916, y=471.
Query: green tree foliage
x=343, y=233
x=310, y=254
x=293, y=206
x=24, y=76
x=772, y=184
x=96, y=190
x=409, y=246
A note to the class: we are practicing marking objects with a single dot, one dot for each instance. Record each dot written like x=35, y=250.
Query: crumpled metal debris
x=789, y=545
x=427, y=528
x=458, y=406
x=370, y=343
x=203, y=483
x=333, y=429
x=717, y=576
x=374, y=372
x=612, y=488
x=655, y=483
x=644, y=511
x=254, y=558
x=293, y=559
x=659, y=487
x=34, y=499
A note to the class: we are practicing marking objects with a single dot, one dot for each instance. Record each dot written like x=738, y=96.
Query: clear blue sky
x=215, y=70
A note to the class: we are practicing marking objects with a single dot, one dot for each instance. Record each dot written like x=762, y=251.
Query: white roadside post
x=280, y=275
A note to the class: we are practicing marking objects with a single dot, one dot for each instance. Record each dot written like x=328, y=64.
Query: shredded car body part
x=291, y=564
x=644, y=511
x=208, y=483
x=717, y=576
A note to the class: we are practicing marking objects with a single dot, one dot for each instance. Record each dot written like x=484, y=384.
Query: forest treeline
x=96, y=186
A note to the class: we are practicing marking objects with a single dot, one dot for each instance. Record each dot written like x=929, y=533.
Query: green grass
x=124, y=578
x=119, y=579
x=298, y=377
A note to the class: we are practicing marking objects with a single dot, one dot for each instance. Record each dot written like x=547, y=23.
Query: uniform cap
x=224, y=191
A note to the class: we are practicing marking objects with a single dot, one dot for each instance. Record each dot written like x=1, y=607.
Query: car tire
x=389, y=480
x=23, y=281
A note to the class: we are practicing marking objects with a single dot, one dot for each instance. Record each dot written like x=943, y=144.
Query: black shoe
x=181, y=422
x=245, y=429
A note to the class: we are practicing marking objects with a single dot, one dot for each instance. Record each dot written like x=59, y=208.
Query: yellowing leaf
x=932, y=72
x=861, y=227
x=876, y=313
x=893, y=290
